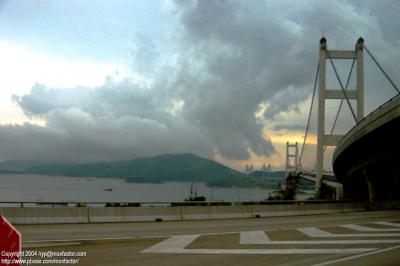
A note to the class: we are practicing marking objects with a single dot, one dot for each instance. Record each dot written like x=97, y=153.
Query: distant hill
x=162, y=168
x=21, y=165
x=8, y=172
x=270, y=174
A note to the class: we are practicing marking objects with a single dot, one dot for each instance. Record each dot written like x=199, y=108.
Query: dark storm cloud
x=118, y=120
x=112, y=100
x=231, y=56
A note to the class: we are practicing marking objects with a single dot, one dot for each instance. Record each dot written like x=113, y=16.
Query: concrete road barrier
x=53, y=215
x=133, y=214
x=45, y=215
x=276, y=210
x=214, y=212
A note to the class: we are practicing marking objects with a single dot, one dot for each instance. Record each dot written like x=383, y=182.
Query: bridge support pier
x=371, y=187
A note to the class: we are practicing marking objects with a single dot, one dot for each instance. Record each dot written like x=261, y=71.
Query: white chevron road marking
x=316, y=232
x=178, y=244
x=254, y=237
x=261, y=238
x=362, y=228
x=172, y=244
x=388, y=224
x=356, y=256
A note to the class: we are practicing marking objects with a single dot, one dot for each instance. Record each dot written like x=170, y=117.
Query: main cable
x=309, y=118
x=383, y=71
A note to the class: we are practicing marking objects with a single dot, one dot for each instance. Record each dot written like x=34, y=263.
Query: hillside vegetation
x=162, y=168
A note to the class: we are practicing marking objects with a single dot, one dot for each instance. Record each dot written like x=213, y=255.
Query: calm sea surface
x=49, y=188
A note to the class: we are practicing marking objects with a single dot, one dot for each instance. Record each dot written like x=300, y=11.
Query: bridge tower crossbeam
x=324, y=94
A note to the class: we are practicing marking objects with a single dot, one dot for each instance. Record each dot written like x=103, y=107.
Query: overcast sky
x=229, y=80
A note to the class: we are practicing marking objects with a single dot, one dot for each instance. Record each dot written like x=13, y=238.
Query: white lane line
x=388, y=224
x=316, y=232
x=361, y=228
x=334, y=242
x=276, y=251
x=172, y=244
x=267, y=251
x=92, y=239
x=356, y=256
x=254, y=237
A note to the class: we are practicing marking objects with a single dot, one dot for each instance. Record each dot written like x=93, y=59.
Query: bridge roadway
x=335, y=187
x=359, y=238
x=366, y=160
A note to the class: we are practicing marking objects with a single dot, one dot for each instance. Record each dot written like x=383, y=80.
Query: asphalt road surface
x=362, y=238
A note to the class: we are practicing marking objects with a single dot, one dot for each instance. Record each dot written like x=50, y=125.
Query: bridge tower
x=292, y=158
x=324, y=93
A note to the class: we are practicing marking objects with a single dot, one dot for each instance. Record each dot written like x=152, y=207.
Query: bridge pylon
x=325, y=93
x=292, y=158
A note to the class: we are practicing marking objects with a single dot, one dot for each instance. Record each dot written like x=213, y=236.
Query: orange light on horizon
x=291, y=138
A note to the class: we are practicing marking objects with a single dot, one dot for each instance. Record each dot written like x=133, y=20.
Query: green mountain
x=8, y=172
x=162, y=168
x=21, y=165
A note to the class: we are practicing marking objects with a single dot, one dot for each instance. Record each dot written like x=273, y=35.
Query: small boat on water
x=108, y=189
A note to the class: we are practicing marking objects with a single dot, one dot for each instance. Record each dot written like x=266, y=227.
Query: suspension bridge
x=365, y=166
x=366, y=159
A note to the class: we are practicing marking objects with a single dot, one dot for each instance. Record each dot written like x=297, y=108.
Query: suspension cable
x=344, y=92
x=383, y=71
x=309, y=118
x=341, y=101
